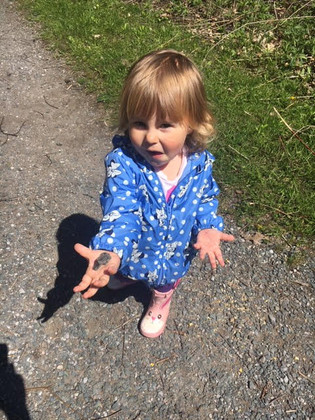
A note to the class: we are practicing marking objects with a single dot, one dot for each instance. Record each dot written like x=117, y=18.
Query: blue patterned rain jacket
x=153, y=237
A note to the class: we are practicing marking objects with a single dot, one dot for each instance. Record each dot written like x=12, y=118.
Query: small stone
x=251, y=384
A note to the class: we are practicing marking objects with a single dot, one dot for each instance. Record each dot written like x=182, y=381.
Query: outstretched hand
x=208, y=243
x=98, y=271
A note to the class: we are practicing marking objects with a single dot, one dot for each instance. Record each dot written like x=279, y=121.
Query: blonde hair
x=168, y=85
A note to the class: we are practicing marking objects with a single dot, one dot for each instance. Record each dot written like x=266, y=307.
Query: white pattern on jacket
x=153, y=237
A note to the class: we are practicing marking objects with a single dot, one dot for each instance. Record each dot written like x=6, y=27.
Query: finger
x=212, y=260
x=84, y=284
x=90, y=292
x=95, y=286
x=101, y=282
x=227, y=237
x=82, y=250
x=202, y=254
x=219, y=258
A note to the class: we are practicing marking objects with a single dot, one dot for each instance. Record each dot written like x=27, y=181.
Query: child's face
x=159, y=142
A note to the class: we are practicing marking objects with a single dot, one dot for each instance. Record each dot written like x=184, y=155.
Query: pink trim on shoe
x=177, y=283
x=154, y=321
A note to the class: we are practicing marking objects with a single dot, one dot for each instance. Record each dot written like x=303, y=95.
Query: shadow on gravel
x=71, y=267
x=140, y=292
x=12, y=391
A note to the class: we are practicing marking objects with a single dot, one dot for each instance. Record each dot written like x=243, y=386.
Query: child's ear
x=186, y=124
x=190, y=130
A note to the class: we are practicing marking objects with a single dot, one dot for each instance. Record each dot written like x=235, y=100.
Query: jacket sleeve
x=206, y=217
x=121, y=223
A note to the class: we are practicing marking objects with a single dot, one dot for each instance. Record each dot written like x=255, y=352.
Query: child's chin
x=159, y=167
x=158, y=164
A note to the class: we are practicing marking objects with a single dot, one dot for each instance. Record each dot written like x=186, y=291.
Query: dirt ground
x=239, y=344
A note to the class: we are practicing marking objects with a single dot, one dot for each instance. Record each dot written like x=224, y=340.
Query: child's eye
x=166, y=125
x=139, y=124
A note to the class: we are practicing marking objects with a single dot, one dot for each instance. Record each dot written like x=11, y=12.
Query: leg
x=154, y=322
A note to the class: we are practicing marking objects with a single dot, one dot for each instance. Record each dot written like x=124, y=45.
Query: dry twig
x=239, y=153
x=259, y=22
x=289, y=215
x=165, y=359
x=109, y=415
x=301, y=283
x=53, y=393
x=264, y=391
x=10, y=134
x=53, y=106
x=306, y=377
x=293, y=131
x=120, y=326
x=123, y=346
x=5, y=141
x=48, y=157
x=179, y=335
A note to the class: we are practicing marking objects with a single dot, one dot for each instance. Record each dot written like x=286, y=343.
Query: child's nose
x=151, y=136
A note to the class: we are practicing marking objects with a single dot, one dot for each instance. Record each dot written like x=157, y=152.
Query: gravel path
x=240, y=348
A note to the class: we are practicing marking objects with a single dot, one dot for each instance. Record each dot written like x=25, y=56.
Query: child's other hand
x=97, y=275
x=208, y=243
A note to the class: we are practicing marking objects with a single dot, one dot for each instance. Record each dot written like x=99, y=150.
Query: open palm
x=96, y=276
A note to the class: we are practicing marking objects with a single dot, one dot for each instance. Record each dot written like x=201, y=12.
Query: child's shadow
x=79, y=228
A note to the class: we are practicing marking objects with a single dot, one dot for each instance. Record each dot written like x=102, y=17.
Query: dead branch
x=293, y=131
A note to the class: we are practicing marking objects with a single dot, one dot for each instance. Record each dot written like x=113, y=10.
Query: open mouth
x=154, y=154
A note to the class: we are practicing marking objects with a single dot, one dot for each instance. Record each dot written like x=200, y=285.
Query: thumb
x=82, y=250
x=227, y=237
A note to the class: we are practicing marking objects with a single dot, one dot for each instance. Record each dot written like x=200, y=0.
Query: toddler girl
x=159, y=199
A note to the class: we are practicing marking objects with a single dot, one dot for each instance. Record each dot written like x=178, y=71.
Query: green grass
x=257, y=63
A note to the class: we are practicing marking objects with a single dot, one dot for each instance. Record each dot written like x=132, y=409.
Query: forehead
x=154, y=119
x=152, y=108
